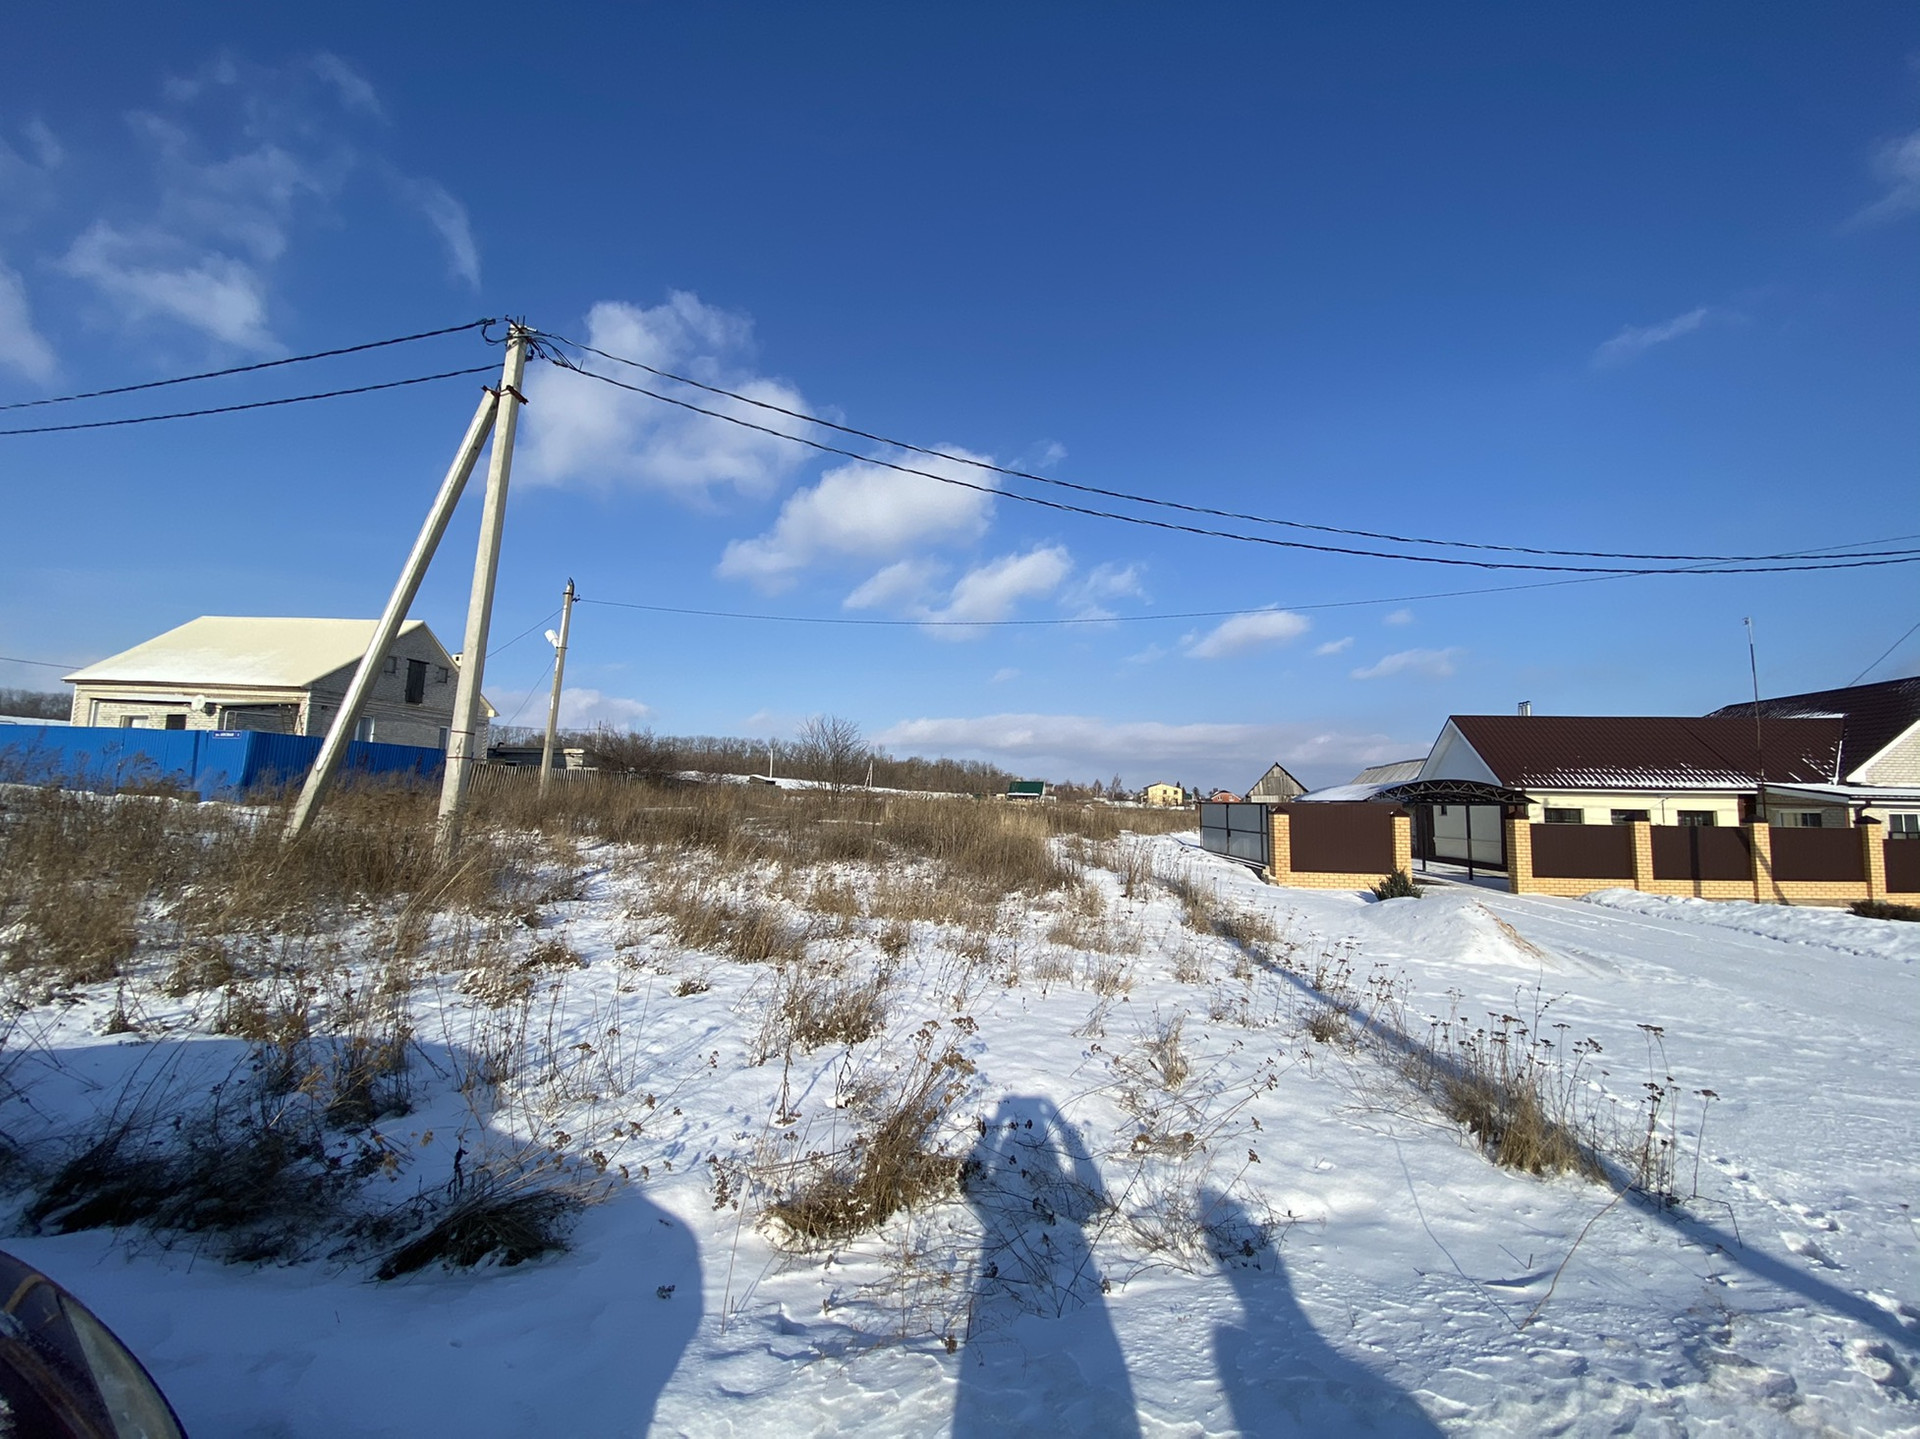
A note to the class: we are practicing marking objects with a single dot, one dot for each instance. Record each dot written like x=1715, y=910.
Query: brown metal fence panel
x=1583, y=851
x=1828, y=856
x=1351, y=838
x=1903, y=865
x=1697, y=852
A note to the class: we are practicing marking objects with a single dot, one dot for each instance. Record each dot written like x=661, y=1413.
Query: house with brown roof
x=1823, y=760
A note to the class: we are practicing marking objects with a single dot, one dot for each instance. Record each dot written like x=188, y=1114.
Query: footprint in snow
x=1816, y=1218
x=1894, y=1305
x=1875, y=1360
x=1807, y=1250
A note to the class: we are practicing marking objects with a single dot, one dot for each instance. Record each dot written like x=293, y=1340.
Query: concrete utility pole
x=486, y=566
x=327, y=763
x=559, y=672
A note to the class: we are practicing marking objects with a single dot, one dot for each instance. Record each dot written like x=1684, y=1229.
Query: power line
x=50, y=665
x=1126, y=495
x=1841, y=562
x=522, y=635
x=250, y=405
x=1884, y=653
x=1110, y=619
x=248, y=369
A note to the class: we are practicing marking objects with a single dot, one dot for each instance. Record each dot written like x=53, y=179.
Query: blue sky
x=1602, y=278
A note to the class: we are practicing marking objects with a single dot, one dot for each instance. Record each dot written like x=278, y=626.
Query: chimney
x=1526, y=707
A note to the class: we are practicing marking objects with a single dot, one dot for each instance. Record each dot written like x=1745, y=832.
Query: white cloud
x=355, y=91
x=1087, y=598
x=240, y=155
x=46, y=145
x=1334, y=647
x=1398, y=617
x=580, y=709
x=582, y=432
x=1897, y=164
x=1635, y=340
x=1064, y=746
x=1431, y=664
x=994, y=590
x=449, y=220
x=901, y=585
x=1254, y=630
x=861, y=512
x=25, y=351
x=149, y=276
x=1003, y=674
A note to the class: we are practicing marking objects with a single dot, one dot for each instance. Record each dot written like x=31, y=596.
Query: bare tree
x=833, y=752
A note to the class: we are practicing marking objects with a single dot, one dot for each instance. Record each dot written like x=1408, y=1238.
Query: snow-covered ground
x=1409, y=1286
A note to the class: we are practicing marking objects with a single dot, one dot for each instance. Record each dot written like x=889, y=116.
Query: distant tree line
x=35, y=704
x=829, y=750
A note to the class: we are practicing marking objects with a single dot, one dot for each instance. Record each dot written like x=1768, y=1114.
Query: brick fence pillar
x=1403, y=843
x=1873, y=858
x=1760, y=838
x=1280, y=847
x=1519, y=855
x=1642, y=855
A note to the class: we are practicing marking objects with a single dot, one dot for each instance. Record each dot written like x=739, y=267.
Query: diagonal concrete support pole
x=327, y=764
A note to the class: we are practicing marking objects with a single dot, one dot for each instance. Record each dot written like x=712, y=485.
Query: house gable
x=1454, y=757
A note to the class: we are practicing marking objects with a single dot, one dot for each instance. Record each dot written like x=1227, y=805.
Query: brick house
x=282, y=675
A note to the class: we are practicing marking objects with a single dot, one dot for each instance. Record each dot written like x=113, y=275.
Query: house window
x=178, y=721
x=1903, y=826
x=440, y=674
x=133, y=722
x=1566, y=816
x=1631, y=816
x=393, y=665
x=1697, y=818
x=1805, y=819
x=416, y=681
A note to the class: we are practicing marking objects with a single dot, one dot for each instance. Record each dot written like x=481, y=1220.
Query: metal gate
x=1239, y=831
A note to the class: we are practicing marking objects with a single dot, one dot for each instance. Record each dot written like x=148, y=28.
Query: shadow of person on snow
x=1281, y=1378
x=580, y=1342
x=1040, y=1348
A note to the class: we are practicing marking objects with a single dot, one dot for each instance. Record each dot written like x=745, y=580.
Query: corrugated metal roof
x=1650, y=751
x=1400, y=769
x=254, y=652
x=1876, y=715
x=1276, y=783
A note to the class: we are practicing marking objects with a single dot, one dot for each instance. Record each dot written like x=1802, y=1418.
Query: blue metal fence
x=212, y=764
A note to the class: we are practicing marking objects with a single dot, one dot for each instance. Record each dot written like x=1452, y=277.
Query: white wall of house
x=391, y=719
x=1898, y=763
x=388, y=716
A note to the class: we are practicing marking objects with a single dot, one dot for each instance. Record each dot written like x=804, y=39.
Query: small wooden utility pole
x=559, y=672
x=465, y=732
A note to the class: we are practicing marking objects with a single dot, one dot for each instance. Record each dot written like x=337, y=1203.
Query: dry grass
x=894, y=1163
x=811, y=1010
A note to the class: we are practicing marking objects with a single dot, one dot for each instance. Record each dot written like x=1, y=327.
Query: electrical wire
x=248, y=369
x=1085, y=619
x=1143, y=499
x=50, y=665
x=522, y=635
x=250, y=405
x=527, y=698
x=1904, y=557
x=1883, y=654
